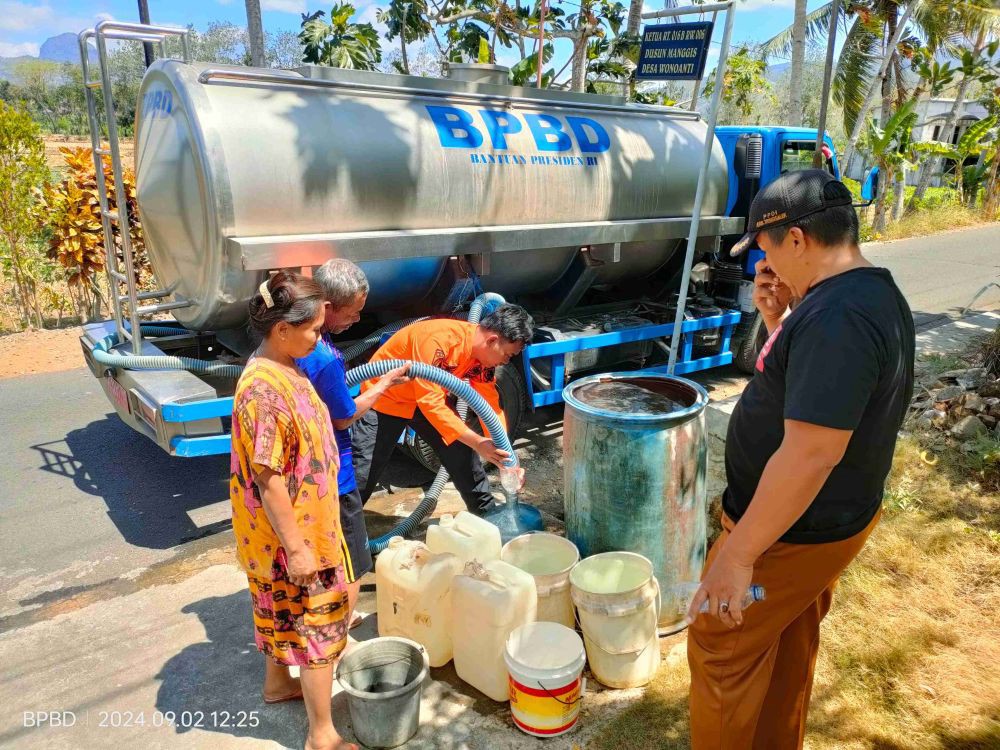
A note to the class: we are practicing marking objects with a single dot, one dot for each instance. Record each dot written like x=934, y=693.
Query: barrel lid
x=634, y=397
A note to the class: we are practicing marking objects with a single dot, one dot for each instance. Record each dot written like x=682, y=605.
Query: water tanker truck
x=576, y=206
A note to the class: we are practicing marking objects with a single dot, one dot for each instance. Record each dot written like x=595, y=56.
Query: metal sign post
x=699, y=196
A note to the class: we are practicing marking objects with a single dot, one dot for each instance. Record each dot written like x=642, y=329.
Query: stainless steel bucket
x=383, y=679
x=634, y=474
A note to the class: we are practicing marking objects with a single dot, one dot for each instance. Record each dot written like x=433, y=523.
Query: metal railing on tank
x=124, y=303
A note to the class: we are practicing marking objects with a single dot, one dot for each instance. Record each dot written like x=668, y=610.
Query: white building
x=932, y=114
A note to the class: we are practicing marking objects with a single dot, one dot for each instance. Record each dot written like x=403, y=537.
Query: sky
x=25, y=24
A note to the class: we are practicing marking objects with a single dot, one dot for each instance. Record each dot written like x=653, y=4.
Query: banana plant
x=524, y=72
x=973, y=142
x=891, y=148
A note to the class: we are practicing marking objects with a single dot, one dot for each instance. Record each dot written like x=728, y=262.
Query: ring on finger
x=724, y=607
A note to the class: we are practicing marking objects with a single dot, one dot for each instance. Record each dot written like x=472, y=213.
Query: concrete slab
x=174, y=665
x=958, y=335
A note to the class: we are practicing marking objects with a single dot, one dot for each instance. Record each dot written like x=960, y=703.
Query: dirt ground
x=33, y=352
x=54, y=142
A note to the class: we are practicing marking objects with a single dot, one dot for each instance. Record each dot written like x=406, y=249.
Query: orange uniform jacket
x=446, y=344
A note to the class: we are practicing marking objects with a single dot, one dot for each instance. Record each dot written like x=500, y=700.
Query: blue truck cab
x=759, y=154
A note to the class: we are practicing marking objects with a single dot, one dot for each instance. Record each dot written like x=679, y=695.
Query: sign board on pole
x=674, y=51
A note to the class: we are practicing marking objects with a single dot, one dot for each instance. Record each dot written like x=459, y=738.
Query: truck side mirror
x=869, y=185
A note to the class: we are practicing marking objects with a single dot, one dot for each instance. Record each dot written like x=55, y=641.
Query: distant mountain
x=63, y=48
x=774, y=72
x=8, y=67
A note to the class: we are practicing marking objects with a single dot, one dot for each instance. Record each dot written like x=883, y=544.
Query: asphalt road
x=85, y=503
x=942, y=273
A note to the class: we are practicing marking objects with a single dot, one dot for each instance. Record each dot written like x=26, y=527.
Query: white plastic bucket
x=618, y=600
x=549, y=558
x=545, y=663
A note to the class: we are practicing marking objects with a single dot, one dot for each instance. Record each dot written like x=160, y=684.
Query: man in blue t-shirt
x=346, y=290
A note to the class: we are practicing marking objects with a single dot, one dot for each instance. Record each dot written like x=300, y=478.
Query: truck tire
x=748, y=348
x=513, y=402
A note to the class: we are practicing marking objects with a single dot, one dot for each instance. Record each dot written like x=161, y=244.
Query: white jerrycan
x=488, y=602
x=413, y=596
x=466, y=536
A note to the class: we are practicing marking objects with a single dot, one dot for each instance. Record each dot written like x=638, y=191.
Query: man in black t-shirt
x=808, y=450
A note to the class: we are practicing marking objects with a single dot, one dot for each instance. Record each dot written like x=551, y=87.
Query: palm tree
x=255, y=33
x=794, y=112
x=866, y=51
x=339, y=43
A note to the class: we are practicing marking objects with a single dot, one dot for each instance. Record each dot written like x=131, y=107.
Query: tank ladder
x=127, y=301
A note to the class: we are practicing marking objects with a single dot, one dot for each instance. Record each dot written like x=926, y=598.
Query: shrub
x=75, y=231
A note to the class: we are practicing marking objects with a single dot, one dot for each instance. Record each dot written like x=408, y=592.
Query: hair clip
x=266, y=294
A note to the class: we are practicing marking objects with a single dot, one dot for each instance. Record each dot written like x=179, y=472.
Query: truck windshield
x=798, y=155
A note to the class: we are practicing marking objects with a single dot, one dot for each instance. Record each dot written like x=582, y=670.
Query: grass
x=934, y=364
x=939, y=211
x=943, y=218
x=909, y=651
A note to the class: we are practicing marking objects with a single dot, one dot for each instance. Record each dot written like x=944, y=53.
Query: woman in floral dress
x=286, y=519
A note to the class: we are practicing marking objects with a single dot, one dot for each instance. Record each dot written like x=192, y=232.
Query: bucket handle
x=421, y=650
x=576, y=616
x=556, y=698
x=599, y=647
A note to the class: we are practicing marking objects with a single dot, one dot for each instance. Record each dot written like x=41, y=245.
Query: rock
x=990, y=389
x=923, y=405
x=950, y=393
x=992, y=406
x=926, y=420
x=970, y=378
x=989, y=421
x=974, y=402
x=973, y=378
x=939, y=418
x=969, y=428
x=959, y=412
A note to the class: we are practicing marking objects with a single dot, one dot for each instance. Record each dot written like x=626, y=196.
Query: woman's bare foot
x=328, y=740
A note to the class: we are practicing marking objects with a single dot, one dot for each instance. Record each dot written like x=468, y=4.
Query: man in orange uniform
x=469, y=352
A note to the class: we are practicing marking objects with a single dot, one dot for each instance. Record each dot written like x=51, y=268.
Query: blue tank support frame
x=556, y=351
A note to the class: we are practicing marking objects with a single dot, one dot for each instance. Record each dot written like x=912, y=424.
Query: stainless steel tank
x=634, y=458
x=239, y=170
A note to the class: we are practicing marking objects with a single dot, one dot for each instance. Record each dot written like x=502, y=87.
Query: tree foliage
x=744, y=81
x=339, y=42
x=22, y=174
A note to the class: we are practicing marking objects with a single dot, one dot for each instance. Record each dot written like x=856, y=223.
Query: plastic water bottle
x=684, y=593
x=509, y=481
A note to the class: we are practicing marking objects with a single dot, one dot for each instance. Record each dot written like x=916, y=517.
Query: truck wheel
x=750, y=345
x=513, y=401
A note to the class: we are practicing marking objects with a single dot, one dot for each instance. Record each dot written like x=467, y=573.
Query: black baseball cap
x=790, y=198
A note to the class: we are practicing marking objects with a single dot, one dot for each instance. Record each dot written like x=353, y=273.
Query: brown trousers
x=750, y=685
